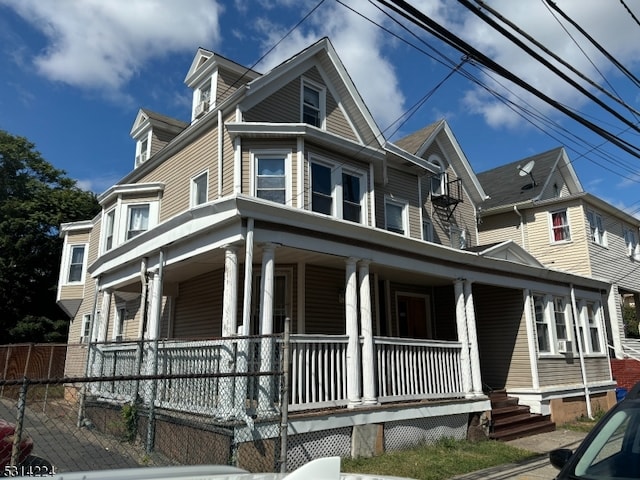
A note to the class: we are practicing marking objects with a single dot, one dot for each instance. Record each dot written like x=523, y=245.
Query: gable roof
x=163, y=122
x=508, y=250
x=323, y=55
x=440, y=133
x=510, y=185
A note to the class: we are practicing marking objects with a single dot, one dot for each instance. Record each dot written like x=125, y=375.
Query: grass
x=442, y=460
x=584, y=424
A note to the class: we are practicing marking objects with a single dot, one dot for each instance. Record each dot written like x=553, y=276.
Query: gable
x=509, y=251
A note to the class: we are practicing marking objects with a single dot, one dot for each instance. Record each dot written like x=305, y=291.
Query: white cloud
x=101, y=44
x=609, y=24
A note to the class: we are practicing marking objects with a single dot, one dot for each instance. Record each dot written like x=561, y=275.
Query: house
x=539, y=203
x=282, y=199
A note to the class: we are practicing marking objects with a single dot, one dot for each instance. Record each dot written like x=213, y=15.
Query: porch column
x=366, y=326
x=103, y=327
x=266, y=393
x=615, y=304
x=461, y=324
x=353, y=345
x=230, y=298
x=229, y=324
x=472, y=334
x=531, y=338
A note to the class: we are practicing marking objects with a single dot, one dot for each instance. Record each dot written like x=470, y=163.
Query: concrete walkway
x=536, y=468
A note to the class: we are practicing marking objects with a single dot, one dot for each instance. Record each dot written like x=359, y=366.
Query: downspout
x=576, y=331
x=515, y=209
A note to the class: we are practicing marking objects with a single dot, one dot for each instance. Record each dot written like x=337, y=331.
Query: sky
x=74, y=73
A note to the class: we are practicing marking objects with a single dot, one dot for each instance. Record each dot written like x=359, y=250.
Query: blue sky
x=74, y=73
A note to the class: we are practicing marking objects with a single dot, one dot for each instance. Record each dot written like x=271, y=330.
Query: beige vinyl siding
x=323, y=313
x=283, y=106
x=315, y=151
x=228, y=156
x=251, y=145
x=336, y=122
x=569, y=256
x=351, y=108
x=612, y=262
x=228, y=82
x=500, y=228
x=402, y=186
x=75, y=290
x=198, y=307
x=556, y=186
x=502, y=337
x=177, y=171
x=562, y=371
x=159, y=140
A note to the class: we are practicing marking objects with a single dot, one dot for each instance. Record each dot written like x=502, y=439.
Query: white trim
x=551, y=226
x=194, y=190
x=66, y=259
x=275, y=154
x=531, y=337
x=389, y=200
x=322, y=101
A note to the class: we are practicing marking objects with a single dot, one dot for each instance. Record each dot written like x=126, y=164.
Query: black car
x=611, y=450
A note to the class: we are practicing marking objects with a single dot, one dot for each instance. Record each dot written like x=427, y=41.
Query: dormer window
x=204, y=99
x=313, y=104
x=142, y=153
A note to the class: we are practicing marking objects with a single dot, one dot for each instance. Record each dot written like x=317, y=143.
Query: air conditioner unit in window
x=119, y=338
x=141, y=158
x=564, y=346
x=201, y=109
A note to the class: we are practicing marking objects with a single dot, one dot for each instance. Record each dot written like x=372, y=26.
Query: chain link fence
x=151, y=403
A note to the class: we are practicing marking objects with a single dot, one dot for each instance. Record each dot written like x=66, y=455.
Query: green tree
x=630, y=321
x=35, y=198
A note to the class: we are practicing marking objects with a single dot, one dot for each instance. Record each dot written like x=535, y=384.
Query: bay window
x=75, y=270
x=272, y=176
x=336, y=190
x=138, y=220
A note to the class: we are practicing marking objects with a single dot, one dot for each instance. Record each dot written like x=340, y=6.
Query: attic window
x=313, y=104
x=143, y=151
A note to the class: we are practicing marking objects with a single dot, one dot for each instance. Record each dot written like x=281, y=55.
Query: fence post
x=284, y=397
x=6, y=367
x=22, y=405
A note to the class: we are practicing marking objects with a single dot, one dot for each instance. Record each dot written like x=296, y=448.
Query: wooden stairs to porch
x=511, y=420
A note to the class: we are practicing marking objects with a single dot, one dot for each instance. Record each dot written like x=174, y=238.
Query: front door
x=414, y=318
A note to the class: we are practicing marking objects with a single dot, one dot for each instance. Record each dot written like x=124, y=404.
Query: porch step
x=511, y=420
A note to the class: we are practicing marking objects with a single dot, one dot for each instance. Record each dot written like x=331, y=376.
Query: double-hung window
x=118, y=326
x=143, y=150
x=313, y=104
x=109, y=229
x=199, y=189
x=560, y=226
x=137, y=220
x=76, y=264
x=631, y=241
x=543, y=332
x=560, y=318
x=598, y=234
x=592, y=328
x=272, y=177
x=337, y=191
x=395, y=214
x=86, y=329
x=427, y=230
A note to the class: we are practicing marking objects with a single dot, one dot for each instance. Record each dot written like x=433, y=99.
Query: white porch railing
x=406, y=369
x=417, y=369
x=318, y=371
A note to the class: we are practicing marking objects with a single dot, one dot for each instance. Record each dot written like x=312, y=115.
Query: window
x=76, y=264
x=199, y=189
x=427, y=230
x=598, y=235
x=205, y=93
x=560, y=317
x=351, y=198
x=138, y=220
x=560, y=226
x=458, y=237
x=313, y=104
x=592, y=336
x=109, y=225
x=143, y=150
x=86, y=329
x=271, y=177
x=321, y=189
x=395, y=213
x=631, y=241
x=337, y=192
x=542, y=324
x=439, y=180
x=118, y=326
x=281, y=300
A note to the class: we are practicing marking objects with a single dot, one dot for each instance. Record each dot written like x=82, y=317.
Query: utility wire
x=416, y=17
x=615, y=98
x=600, y=48
x=630, y=12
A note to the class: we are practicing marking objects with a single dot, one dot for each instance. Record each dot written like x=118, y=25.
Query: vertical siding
x=322, y=315
x=176, y=173
x=198, y=307
x=502, y=337
x=402, y=186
